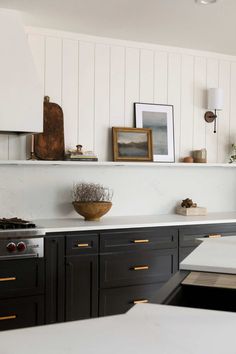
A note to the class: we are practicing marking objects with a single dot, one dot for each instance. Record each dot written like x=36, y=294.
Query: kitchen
x=96, y=78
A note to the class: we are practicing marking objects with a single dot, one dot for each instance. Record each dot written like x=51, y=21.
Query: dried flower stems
x=91, y=192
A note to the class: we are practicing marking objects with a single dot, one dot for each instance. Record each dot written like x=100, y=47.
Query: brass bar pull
x=144, y=301
x=214, y=235
x=141, y=268
x=140, y=241
x=4, y=318
x=8, y=279
x=82, y=245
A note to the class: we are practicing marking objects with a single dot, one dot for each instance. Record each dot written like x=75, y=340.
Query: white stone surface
x=39, y=192
x=148, y=329
x=139, y=221
x=213, y=255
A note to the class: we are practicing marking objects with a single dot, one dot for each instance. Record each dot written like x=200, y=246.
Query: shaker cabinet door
x=81, y=287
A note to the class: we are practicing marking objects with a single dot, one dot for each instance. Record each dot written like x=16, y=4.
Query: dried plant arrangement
x=91, y=192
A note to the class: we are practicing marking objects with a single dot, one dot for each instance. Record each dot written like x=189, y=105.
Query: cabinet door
x=21, y=277
x=133, y=268
x=55, y=279
x=81, y=287
x=189, y=234
x=119, y=300
x=21, y=312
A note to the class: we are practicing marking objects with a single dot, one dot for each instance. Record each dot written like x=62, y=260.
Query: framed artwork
x=132, y=144
x=160, y=118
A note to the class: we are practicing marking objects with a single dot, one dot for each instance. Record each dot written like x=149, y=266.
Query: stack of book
x=81, y=157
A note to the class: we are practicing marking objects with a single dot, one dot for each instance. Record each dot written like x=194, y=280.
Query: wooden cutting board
x=49, y=145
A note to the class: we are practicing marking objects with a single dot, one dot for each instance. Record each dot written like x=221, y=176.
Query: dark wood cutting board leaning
x=50, y=145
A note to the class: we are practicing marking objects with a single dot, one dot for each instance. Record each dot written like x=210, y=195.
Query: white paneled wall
x=97, y=80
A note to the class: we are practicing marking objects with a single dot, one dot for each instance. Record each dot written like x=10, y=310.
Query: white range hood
x=21, y=96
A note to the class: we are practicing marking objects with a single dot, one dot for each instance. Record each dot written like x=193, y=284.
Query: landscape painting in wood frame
x=132, y=144
x=160, y=118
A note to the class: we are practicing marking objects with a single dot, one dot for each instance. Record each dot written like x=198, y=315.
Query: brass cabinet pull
x=144, y=301
x=141, y=268
x=4, y=318
x=8, y=279
x=214, y=235
x=82, y=245
x=140, y=241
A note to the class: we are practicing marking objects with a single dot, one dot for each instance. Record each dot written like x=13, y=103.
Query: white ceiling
x=180, y=23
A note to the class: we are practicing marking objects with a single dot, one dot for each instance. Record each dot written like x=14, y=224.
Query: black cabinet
x=21, y=312
x=21, y=277
x=120, y=300
x=134, y=264
x=21, y=293
x=81, y=287
x=142, y=267
x=90, y=274
x=54, y=279
x=81, y=276
x=188, y=235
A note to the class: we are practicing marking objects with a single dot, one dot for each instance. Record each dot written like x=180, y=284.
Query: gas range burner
x=15, y=223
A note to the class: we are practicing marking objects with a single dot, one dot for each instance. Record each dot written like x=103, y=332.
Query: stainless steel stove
x=20, y=239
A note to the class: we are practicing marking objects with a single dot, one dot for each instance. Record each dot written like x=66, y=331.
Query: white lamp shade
x=215, y=99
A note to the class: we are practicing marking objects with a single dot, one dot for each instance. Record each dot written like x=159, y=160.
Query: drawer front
x=188, y=235
x=137, y=268
x=139, y=239
x=184, y=252
x=82, y=244
x=21, y=277
x=21, y=312
x=120, y=300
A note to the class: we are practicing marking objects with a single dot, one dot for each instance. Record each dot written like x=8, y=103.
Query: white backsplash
x=45, y=191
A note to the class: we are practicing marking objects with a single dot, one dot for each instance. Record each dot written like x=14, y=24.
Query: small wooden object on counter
x=191, y=211
x=49, y=145
x=188, y=207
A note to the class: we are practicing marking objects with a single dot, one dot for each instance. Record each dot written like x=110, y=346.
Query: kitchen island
x=144, y=329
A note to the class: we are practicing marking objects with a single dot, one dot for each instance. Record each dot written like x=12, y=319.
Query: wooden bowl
x=92, y=211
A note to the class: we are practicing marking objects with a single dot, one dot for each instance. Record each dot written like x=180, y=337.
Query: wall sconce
x=215, y=103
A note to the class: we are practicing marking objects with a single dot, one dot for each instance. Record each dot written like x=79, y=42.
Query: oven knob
x=21, y=246
x=11, y=247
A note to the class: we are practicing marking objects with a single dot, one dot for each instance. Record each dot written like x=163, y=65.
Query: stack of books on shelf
x=87, y=156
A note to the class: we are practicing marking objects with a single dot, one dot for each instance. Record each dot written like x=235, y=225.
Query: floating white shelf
x=112, y=163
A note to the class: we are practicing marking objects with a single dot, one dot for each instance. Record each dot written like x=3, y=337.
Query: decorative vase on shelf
x=91, y=200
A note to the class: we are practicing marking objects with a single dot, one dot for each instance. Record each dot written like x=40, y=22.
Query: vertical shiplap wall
x=97, y=80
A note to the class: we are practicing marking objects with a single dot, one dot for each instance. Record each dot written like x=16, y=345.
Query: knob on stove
x=11, y=247
x=21, y=246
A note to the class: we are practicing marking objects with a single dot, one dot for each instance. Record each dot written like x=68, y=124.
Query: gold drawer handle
x=4, y=318
x=141, y=268
x=82, y=245
x=140, y=241
x=8, y=279
x=214, y=235
x=144, y=301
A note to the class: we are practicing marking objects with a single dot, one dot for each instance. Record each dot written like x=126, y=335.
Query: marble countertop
x=213, y=255
x=139, y=221
x=144, y=329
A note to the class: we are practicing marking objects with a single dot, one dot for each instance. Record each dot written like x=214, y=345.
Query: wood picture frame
x=132, y=144
x=160, y=118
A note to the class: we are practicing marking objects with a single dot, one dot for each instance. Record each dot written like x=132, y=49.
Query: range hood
x=21, y=96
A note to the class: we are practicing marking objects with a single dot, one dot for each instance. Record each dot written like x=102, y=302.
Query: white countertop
x=213, y=255
x=139, y=221
x=148, y=329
